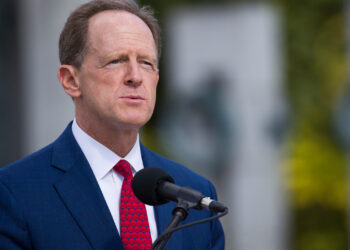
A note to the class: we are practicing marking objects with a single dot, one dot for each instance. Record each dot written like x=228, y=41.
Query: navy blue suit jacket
x=51, y=200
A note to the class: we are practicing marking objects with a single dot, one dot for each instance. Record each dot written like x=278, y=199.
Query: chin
x=134, y=124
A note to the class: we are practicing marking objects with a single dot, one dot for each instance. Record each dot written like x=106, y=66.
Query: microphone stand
x=180, y=213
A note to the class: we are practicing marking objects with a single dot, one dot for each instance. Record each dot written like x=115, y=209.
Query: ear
x=67, y=75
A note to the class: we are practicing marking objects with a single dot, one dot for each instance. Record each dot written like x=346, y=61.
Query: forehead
x=113, y=26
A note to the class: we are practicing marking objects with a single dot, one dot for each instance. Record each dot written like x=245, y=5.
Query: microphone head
x=145, y=184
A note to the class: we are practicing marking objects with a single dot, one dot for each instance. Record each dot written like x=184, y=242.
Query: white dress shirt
x=102, y=160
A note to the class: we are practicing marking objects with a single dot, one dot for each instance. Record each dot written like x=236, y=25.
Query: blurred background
x=254, y=95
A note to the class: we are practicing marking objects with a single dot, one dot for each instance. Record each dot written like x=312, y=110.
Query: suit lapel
x=164, y=212
x=81, y=194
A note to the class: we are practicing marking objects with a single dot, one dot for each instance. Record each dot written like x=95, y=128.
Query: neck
x=119, y=140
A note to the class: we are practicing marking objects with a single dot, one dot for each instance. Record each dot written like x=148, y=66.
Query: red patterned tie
x=134, y=229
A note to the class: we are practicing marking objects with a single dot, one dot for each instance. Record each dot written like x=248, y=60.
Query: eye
x=147, y=64
x=115, y=61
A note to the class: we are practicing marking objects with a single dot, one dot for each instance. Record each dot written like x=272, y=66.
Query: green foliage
x=316, y=165
x=317, y=172
x=320, y=228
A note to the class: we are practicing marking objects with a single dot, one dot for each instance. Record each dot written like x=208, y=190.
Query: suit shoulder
x=28, y=164
x=182, y=174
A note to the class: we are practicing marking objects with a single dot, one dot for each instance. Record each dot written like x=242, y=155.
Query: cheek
x=97, y=94
x=105, y=86
x=153, y=94
x=112, y=82
x=152, y=87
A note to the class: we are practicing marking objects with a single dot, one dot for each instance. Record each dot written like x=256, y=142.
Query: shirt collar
x=102, y=159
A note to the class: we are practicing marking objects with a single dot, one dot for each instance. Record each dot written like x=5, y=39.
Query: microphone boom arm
x=180, y=213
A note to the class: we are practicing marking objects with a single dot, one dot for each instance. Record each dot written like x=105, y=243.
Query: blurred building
x=224, y=114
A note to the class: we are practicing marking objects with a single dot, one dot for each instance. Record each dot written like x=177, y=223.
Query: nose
x=133, y=76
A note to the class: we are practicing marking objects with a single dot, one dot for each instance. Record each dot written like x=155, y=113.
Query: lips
x=134, y=97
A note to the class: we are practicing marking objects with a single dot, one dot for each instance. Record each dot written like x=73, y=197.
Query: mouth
x=133, y=98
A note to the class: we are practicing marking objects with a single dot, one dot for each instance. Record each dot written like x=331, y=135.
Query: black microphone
x=154, y=186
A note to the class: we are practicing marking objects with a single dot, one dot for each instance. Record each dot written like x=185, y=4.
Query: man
x=74, y=193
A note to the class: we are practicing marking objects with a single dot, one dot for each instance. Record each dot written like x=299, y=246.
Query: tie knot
x=123, y=167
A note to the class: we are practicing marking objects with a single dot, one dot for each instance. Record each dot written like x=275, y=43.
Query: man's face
x=119, y=74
